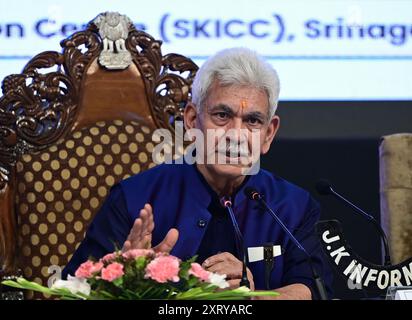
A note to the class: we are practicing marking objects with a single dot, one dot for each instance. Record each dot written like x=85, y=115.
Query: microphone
x=227, y=203
x=253, y=194
x=325, y=188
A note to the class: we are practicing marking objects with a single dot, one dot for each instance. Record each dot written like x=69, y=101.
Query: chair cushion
x=60, y=189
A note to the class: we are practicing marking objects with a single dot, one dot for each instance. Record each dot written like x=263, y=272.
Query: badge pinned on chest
x=263, y=253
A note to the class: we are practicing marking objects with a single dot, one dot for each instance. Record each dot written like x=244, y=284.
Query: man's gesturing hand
x=140, y=236
x=226, y=263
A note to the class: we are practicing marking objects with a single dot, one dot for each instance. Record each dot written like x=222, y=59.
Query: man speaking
x=177, y=207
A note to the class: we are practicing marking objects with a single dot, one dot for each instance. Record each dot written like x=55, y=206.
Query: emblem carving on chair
x=114, y=29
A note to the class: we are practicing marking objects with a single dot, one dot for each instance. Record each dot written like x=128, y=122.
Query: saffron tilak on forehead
x=244, y=104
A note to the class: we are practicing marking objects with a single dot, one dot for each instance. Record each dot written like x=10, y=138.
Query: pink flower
x=88, y=268
x=135, y=253
x=199, y=272
x=163, y=269
x=112, y=271
x=109, y=257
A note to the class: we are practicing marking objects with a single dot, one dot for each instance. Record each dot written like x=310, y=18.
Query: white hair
x=237, y=66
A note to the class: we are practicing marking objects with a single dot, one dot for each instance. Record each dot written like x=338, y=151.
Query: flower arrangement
x=141, y=274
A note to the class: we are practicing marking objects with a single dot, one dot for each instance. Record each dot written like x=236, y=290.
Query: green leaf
x=145, y=289
x=22, y=283
x=118, y=282
x=141, y=263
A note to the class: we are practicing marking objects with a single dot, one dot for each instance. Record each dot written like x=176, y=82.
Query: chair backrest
x=74, y=123
x=395, y=154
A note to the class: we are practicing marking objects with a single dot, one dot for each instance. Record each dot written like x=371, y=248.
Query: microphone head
x=252, y=193
x=225, y=202
x=323, y=187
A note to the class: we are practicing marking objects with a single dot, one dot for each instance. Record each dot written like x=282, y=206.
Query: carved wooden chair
x=69, y=130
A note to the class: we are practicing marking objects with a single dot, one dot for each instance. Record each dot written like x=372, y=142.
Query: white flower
x=218, y=280
x=73, y=284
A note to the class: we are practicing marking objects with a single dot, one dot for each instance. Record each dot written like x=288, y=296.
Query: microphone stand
x=320, y=286
x=239, y=241
x=269, y=263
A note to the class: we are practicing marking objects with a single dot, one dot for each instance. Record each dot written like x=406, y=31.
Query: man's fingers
x=147, y=241
x=151, y=224
x=149, y=209
x=127, y=245
x=220, y=257
x=168, y=242
x=217, y=268
x=234, y=283
x=231, y=271
x=146, y=214
x=136, y=231
x=148, y=224
x=140, y=235
x=147, y=220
